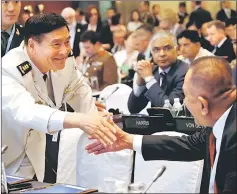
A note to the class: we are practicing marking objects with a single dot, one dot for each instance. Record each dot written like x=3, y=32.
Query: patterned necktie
x=4, y=41
x=163, y=79
x=212, y=151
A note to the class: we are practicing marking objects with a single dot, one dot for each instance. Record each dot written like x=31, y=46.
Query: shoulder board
x=24, y=68
x=70, y=54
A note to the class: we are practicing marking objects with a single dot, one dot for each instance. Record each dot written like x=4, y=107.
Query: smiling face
x=10, y=13
x=52, y=50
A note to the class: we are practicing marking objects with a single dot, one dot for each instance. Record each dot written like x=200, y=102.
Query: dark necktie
x=212, y=151
x=4, y=38
x=164, y=79
x=49, y=87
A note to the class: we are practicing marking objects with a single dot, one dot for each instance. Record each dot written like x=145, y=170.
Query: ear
x=204, y=104
x=31, y=45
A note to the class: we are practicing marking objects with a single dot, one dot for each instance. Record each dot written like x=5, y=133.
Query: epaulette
x=24, y=68
x=70, y=54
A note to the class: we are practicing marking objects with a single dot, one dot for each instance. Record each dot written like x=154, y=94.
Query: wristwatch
x=148, y=78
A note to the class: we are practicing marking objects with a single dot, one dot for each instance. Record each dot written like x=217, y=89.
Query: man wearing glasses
x=160, y=78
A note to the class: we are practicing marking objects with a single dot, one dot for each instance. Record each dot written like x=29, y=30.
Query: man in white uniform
x=38, y=78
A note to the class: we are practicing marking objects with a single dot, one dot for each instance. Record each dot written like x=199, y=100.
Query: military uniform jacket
x=103, y=66
x=25, y=111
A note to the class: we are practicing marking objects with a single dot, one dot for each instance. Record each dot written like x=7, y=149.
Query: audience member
x=217, y=38
x=25, y=15
x=94, y=24
x=182, y=14
x=226, y=12
x=80, y=16
x=98, y=65
x=159, y=80
x=156, y=14
x=118, y=38
x=11, y=33
x=203, y=40
x=144, y=9
x=143, y=35
x=75, y=29
x=110, y=13
x=126, y=60
x=169, y=21
x=190, y=46
x=135, y=21
x=199, y=14
x=229, y=27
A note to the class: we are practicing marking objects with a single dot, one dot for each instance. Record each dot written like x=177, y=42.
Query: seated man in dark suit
x=210, y=95
x=218, y=39
x=226, y=12
x=11, y=33
x=161, y=80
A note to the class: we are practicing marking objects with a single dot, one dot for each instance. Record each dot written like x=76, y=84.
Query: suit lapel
x=17, y=38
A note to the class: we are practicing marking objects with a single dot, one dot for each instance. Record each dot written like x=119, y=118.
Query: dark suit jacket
x=222, y=16
x=206, y=44
x=196, y=147
x=106, y=36
x=226, y=51
x=76, y=48
x=17, y=38
x=157, y=95
x=200, y=15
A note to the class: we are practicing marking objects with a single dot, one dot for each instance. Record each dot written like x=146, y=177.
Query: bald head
x=209, y=89
x=211, y=75
x=211, y=78
x=69, y=14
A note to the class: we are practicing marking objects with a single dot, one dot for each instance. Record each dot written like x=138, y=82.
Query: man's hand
x=99, y=125
x=100, y=107
x=144, y=68
x=124, y=141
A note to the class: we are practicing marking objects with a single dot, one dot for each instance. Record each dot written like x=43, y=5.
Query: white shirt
x=72, y=29
x=227, y=12
x=132, y=26
x=201, y=53
x=218, y=129
x=92, y=28
x=139, y=89
x=219, y=45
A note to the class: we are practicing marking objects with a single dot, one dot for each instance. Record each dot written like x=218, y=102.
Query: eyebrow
x=57, y=39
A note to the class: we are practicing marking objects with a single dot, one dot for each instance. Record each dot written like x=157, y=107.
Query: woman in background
x=135, y=21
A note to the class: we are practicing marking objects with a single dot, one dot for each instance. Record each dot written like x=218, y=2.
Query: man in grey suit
x=160, y=78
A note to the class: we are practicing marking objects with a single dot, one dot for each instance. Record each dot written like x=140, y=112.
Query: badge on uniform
x=17, y=32
x=55, y=137
x=24, y=68
x=78, y=30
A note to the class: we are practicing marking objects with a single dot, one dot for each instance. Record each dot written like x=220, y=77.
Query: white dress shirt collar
x=218, y=130
x=221, y=42
x=166, y=70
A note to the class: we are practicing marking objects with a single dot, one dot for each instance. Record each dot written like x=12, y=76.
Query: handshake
x=107, y=135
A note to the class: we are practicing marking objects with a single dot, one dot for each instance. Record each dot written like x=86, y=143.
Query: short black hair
x=182, y=4
x=115, y=19
x=192, y=35
x=26, y=11
x=40, y=24
x=231, y=21
x=147, y=3
x=195, y=23
x=80, y=11
x=198, y=2
x=91, y=36
x=112, y=8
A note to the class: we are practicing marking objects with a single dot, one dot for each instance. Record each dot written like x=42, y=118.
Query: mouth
x=61, y=59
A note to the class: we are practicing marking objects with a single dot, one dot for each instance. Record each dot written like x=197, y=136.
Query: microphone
x=112, y=93
x=4, y=148
x=156, y=176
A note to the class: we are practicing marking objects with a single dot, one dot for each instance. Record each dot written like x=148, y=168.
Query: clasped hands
x=144, y=68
